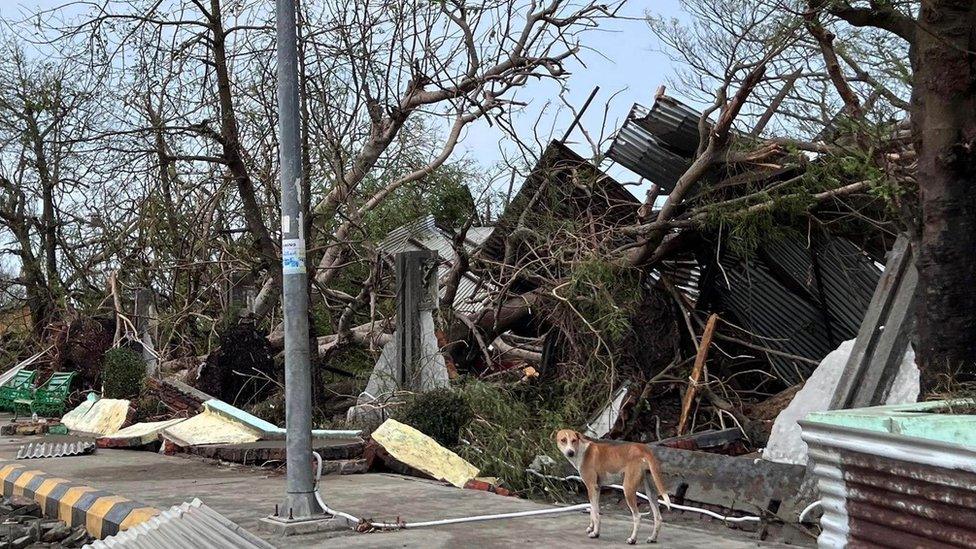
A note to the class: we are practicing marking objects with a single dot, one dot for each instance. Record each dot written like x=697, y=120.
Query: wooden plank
x=696, y=372
x=888, y=325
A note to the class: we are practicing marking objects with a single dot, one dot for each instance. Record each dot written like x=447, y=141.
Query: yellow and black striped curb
x=101, y=513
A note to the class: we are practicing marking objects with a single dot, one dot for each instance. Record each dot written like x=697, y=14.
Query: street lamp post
x=300, y=500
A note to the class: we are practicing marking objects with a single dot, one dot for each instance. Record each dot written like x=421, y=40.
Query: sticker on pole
x=293, y=256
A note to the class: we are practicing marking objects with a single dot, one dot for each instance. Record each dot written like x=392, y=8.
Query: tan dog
x=596, y=460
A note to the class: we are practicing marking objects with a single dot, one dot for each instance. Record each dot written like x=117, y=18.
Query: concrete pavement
x=246, y=494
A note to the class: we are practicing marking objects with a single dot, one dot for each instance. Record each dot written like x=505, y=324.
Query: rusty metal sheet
x=915, y=492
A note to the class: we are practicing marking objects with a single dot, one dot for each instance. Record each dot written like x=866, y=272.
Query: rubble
x=30, y=427
x=417, y=450
x=785, y=444
x=179, y=397
x=23, y=526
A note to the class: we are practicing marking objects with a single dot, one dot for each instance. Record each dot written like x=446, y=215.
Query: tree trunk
x=944, y=118
x=232, y=153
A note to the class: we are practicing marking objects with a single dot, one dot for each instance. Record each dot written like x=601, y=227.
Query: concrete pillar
x=144, y=318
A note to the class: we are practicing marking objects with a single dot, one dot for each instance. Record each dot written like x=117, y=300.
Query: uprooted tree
x=162, y=135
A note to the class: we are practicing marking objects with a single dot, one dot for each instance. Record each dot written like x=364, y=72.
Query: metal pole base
x=300, y=506
x=281, y=526
x=302, y=514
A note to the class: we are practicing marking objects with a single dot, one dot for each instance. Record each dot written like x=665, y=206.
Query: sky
x=629, y=62
x=622, y=57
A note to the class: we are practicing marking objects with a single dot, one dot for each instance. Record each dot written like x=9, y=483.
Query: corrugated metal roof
x=909, y=491
x=674, y=123
x=572, y=186
x=793, y=306
x=186, y=525
x=779, y=319
x=847, y=277
x=424, y=234
x=636, y=148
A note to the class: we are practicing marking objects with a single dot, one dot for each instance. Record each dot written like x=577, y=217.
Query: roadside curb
x=101, y=513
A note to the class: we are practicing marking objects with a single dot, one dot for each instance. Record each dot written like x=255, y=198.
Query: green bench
x=48, y=399
x=19, y=386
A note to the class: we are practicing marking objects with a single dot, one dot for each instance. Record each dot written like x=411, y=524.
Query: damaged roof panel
x=572, y=185
x=643, y=153
x=798, y=300
x=425, y=234
x=847, y=277
x=674, y=123
x=774, y=315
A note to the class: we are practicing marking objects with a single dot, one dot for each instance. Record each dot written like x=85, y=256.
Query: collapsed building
x=785, y=303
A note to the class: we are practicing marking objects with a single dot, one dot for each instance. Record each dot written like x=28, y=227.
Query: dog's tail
x=655, y=470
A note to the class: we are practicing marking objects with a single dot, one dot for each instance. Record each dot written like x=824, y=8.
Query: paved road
x=246, y=494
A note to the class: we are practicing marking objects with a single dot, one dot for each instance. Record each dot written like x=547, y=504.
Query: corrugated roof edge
x=193, y=523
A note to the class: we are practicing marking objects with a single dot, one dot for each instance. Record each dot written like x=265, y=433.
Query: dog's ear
x=552, y=435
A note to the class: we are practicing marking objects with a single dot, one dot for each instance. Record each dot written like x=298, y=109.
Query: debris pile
x=707, y=332
x=23, y=527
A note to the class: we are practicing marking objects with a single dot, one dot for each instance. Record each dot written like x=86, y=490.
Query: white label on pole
x=285, y=225
x=293, y=256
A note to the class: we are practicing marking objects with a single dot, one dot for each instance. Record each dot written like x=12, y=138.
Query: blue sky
x=631, y=63
x=621, y=57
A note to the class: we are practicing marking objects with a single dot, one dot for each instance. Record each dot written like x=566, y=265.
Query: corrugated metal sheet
x=424, y=234
x=187, y=525
x=636, y=148
x=779, y=319
x=847, y=276
x=793, y=306
x=34, y=450
x=886, y=490
x=674, y=123
x=684, y=272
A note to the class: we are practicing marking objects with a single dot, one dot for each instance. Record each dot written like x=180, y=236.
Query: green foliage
x=442, y=194
x=439, y=413
x=604, y=294
x=321, y=319
x=123, y=372
x=515, y=423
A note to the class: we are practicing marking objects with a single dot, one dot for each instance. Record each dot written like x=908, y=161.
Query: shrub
x=242, y=369
x=516, y=423
x=148, y=408
x=439, y=414
x=123, y=372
